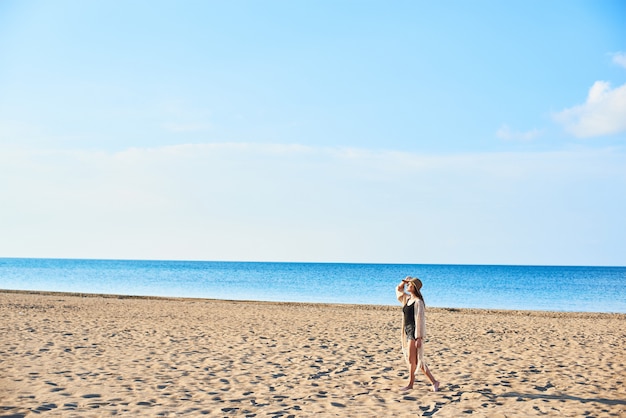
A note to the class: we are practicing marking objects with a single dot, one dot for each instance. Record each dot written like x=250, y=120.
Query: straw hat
x=416, y=282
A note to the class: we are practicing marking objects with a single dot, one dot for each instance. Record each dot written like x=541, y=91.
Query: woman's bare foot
x=436, y=387
x=406, y=388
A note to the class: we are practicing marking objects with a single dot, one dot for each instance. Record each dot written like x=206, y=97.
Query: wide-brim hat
x=416, y=282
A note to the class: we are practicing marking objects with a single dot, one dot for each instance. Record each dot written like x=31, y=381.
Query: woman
x=414, y=329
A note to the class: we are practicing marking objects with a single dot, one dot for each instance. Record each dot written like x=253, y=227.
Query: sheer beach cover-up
x=420, y=328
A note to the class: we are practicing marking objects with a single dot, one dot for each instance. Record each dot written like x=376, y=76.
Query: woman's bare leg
x=430, y=377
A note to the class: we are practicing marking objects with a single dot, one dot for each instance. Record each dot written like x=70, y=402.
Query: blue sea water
x=549, y=288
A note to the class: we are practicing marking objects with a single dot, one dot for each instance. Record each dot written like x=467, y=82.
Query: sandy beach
x=92, y=356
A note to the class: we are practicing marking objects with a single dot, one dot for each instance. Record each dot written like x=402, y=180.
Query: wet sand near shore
x=74, y=355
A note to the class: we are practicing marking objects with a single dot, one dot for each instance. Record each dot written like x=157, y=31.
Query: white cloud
x=619, y=58
x=507, y=134
x=604, y=112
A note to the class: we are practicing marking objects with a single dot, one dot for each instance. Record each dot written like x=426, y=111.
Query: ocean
x=547, y=288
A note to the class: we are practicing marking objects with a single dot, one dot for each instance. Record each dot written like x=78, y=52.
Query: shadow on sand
x=563, y=398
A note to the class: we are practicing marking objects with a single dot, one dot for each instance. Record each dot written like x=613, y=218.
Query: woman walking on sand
x=414, y=329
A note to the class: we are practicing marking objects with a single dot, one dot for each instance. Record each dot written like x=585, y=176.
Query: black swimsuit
x=409, y=320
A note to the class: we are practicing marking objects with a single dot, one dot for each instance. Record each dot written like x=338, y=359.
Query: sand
x=91, y=356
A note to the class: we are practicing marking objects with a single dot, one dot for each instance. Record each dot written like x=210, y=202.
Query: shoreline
x=89, y=355
x=516, y=312
x=497, y=287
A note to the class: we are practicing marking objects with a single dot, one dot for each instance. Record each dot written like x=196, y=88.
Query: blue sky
x=350, y=131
